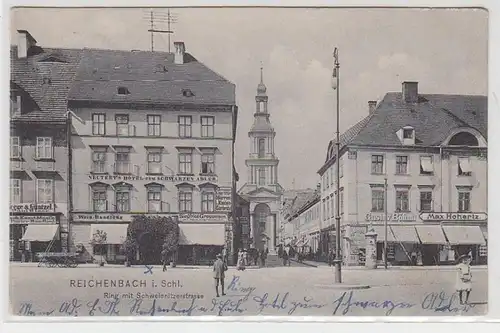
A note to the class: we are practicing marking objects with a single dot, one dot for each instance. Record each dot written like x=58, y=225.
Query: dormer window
x=123, y=91
x=187, y=93
x=407, y=133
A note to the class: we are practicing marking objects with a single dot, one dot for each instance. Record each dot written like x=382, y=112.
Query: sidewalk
x=325, y=265
x=89, y=265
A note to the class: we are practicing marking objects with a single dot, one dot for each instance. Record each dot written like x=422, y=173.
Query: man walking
x=220, y=268
x=164, y=258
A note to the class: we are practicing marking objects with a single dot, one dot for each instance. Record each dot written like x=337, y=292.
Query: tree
x=129, y=248
x=153, y=233
x=99, y=239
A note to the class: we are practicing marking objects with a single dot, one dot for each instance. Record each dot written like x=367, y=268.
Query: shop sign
x=440, y=216
x=33, y=219
x=393, y=217
x=201, y=217
x=155, y=178
x=33, y=208
x=183, y=217
x=98, y=217
x=223, y=199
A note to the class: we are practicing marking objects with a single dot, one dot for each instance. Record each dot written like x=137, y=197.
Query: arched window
x=262, y=147
x=262, y=211
x=261, y=107
x=464, y=139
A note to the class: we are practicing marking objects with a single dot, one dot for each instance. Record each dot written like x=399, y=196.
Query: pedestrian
x=464, y=277
x=164, y=259
x=263, y=258
x=331, y=257
x=219, y=269
x=256, y=256
x=414, y=257
x=241, y=261
x=286, y=256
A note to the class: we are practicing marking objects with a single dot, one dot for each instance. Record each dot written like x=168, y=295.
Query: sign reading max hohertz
x=441, y=216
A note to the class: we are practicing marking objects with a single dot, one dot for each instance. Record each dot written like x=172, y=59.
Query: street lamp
x=335, y=86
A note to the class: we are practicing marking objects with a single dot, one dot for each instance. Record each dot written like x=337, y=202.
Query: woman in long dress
x=464, y=278
x=241, y=261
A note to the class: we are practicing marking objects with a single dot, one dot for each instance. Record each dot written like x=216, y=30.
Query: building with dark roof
x=39, y=159
x=418, y=155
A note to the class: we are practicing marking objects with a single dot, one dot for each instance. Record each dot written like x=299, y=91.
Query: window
x=261, y=107
x=44, y=190
x=15, y=147
x=99, y=199
x=43, y=147
x=122, y=159
x=207, y=163
x=426, y=165
x=185, y=126
x=154, y=125
x=377, y=200
x=185, y=163
x=99, y=159
x=154, y=161
x=328, y=205
x=122, y=199
x=426, y=201
x=98, y=124
x=464, y=201
x=402, y=200
x=464, y=167
x=328, y=179
x=332, y=176
x=15, y=191
x=377, y=164
x=15, y=103
x=262, y=176
x=324, y=210
x=207, y=127
x=262, y=147
x=207, y=201
x=123, y=91
x=185, y=200
x=122, y=125
x=154, y=199
x=401, y=165
x=408, y=133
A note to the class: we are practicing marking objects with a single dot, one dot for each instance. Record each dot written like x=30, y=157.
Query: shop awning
x=484, y=229
x=405, y=233
x=466, y=235
x=380, y=230
x=430, y=234
x=201, y=234
x=115, y=233
x=41, y=232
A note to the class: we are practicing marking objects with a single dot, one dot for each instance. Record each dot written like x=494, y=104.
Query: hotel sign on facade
x=155, y=178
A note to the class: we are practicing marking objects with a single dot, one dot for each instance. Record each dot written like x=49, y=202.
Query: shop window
x=377, y=164
x=154, y=200
x=208, y=163
x=207, y=201
x=185, y=126
x=207, y=126
x=185, y=162
x=402, y=200
x=154, y=161
x=464, y=167
x=15, y=191
x=464, y=201
x=99, y=199
x=378, y=200
x=44, y=148
x=426, y=201
x=98, y=124
x=122, y=160
x=185, y=200
x=154, y=125
x=426, y=165
x=15, y=147
x=122, y=194
x=483, y=251
x=99, y=159
x=401, y=165
x=44, y=190
x=122, y=128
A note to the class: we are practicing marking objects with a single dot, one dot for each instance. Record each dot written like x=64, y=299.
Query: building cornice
x=151, y=106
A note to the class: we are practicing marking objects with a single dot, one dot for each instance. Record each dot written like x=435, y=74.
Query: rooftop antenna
x=168, y=17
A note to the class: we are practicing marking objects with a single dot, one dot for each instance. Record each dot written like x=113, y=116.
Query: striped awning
x=430, y=234
x=405, y=233
x=464, y=235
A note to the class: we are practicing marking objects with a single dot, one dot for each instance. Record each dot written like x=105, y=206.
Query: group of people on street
x=285, y=253
x=258, y=257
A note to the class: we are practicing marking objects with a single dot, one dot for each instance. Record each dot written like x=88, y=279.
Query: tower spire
x=261, y=73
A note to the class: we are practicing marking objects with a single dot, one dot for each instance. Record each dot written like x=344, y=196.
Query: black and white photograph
x=248, y=161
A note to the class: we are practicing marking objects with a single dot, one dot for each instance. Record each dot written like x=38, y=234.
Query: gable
x=263, y=193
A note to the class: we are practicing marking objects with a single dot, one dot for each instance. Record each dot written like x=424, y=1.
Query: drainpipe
x=69, y=178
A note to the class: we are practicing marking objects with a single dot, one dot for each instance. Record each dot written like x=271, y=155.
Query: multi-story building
x=153, y=134
x=292, y=202
x=420, y=159
x=262, y=188
x=39, y=85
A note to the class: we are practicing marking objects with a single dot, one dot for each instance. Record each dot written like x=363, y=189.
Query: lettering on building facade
x=397, y=217
x=33, y=208
x=443, y=216
x=120, y=217
x=155, y=178
x=35, y=219
x=223, y=199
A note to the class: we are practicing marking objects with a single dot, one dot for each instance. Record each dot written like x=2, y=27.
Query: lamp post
x=335, y=86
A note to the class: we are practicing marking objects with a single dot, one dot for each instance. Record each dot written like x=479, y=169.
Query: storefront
x=199, y=243
x=33, y=229
x=110, y=250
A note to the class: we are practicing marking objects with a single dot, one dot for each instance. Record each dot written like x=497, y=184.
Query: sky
x=445, y=50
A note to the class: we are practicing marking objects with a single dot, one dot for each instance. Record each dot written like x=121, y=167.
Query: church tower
x=262, y=188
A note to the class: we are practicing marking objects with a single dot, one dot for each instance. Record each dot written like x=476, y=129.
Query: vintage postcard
x=248, y=161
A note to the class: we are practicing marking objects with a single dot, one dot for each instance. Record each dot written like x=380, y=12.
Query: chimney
x=180, y=48
x=410, y=92
x=24, y=42
x=372, y=105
